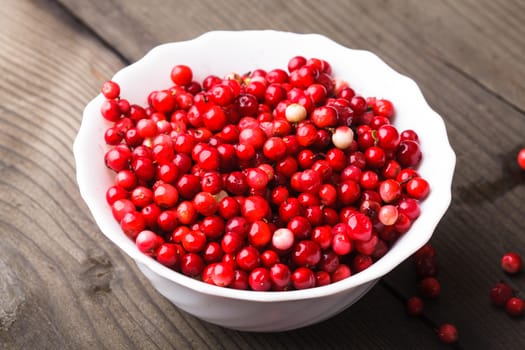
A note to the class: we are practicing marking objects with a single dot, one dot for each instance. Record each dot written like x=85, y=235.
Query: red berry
x=500, y=293
x=521, y=158
x=515, y=307
x=110, y=90
x=303, y=278
x=511, y=263
x=448, y=333
x=260, y=279
x=181, y=75
x=414, y=306
x=429, y=287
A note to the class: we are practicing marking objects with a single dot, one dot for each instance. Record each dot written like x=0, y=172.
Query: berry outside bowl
x=223, y=52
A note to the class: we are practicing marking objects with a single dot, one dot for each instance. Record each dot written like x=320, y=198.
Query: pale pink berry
x=283, y=239
x=343, y=137
x=295, y=113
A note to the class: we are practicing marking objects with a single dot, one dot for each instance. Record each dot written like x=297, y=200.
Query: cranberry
x=283, y=239
x=417, y=188
x=500, y=293
x=359, y=227
x=205, y=203
x=306, y=253
x=260, y=279
x=280, y=276
x=168, y=254
x=259, y=234
x=515, y=307
x=114, y=193
x=121, y=207
x=511, y=263
x=148, y=242
x=521, y=158
x=448, y=333
x=408, y=153
x=303, y=278
x=414, y=306
x=249, y=177
x=341, y=272
x=430, y=287
x=220, y=274
x=248, y=258
x=181, y=75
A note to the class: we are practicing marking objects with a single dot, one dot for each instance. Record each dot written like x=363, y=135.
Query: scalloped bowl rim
x=438, y=201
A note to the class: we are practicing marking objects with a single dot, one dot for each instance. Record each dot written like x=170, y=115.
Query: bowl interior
x=221, y=53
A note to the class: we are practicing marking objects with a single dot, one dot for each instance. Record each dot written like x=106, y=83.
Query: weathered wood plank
x=63, y=285
x=74, y=290
x=479, y=39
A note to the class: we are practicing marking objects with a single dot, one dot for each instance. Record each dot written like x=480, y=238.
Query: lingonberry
x=205, y=203
x=390, y=190
x=148, y=242
x=269, y=257
x=303, y=278
x=521, y=158
x=283, y=239
x=415, y=306
x=500, y=293
x=511, y=263
x=110, y=110
x=341, y=272
x=259, y=234
x=240, y=280
x=168, y=254
x=181, y=75
x=212, y=252
x=220, y=274
x=167, y=220
x=515, y=307
x=361, y=262
x=114, y=193
x=132, y=224
x=280, y=276
x=110, y=90
x=250, y=176
x=447, y=333
x=260, y=279
x=121, y=207
x=322, y=235
x=429, y=287
x=417, y=188
x=408, y=153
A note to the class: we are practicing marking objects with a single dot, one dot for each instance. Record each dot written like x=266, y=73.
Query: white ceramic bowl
x=224, y=52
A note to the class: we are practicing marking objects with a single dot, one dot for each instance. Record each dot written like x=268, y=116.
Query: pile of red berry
x=273, y=180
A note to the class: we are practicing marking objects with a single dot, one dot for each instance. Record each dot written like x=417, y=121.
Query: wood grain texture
x=62, y=285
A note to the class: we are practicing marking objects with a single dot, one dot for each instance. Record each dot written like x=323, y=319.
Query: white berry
x=282, y=239
x=295, y=113
x=343, y=137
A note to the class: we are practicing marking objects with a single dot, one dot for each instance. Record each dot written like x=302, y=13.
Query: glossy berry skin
x=500, y=293
x=515, y=307
x=511, y=263
x=521, y=158
x=430, y=287
x=272, y=180
x=260, y=279
x=447, y=333
x=181, y=75
x=110, y=90
x=303, y=278
x=414, y=306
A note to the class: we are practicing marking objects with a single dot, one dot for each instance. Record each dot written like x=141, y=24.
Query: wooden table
x=64, y=286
